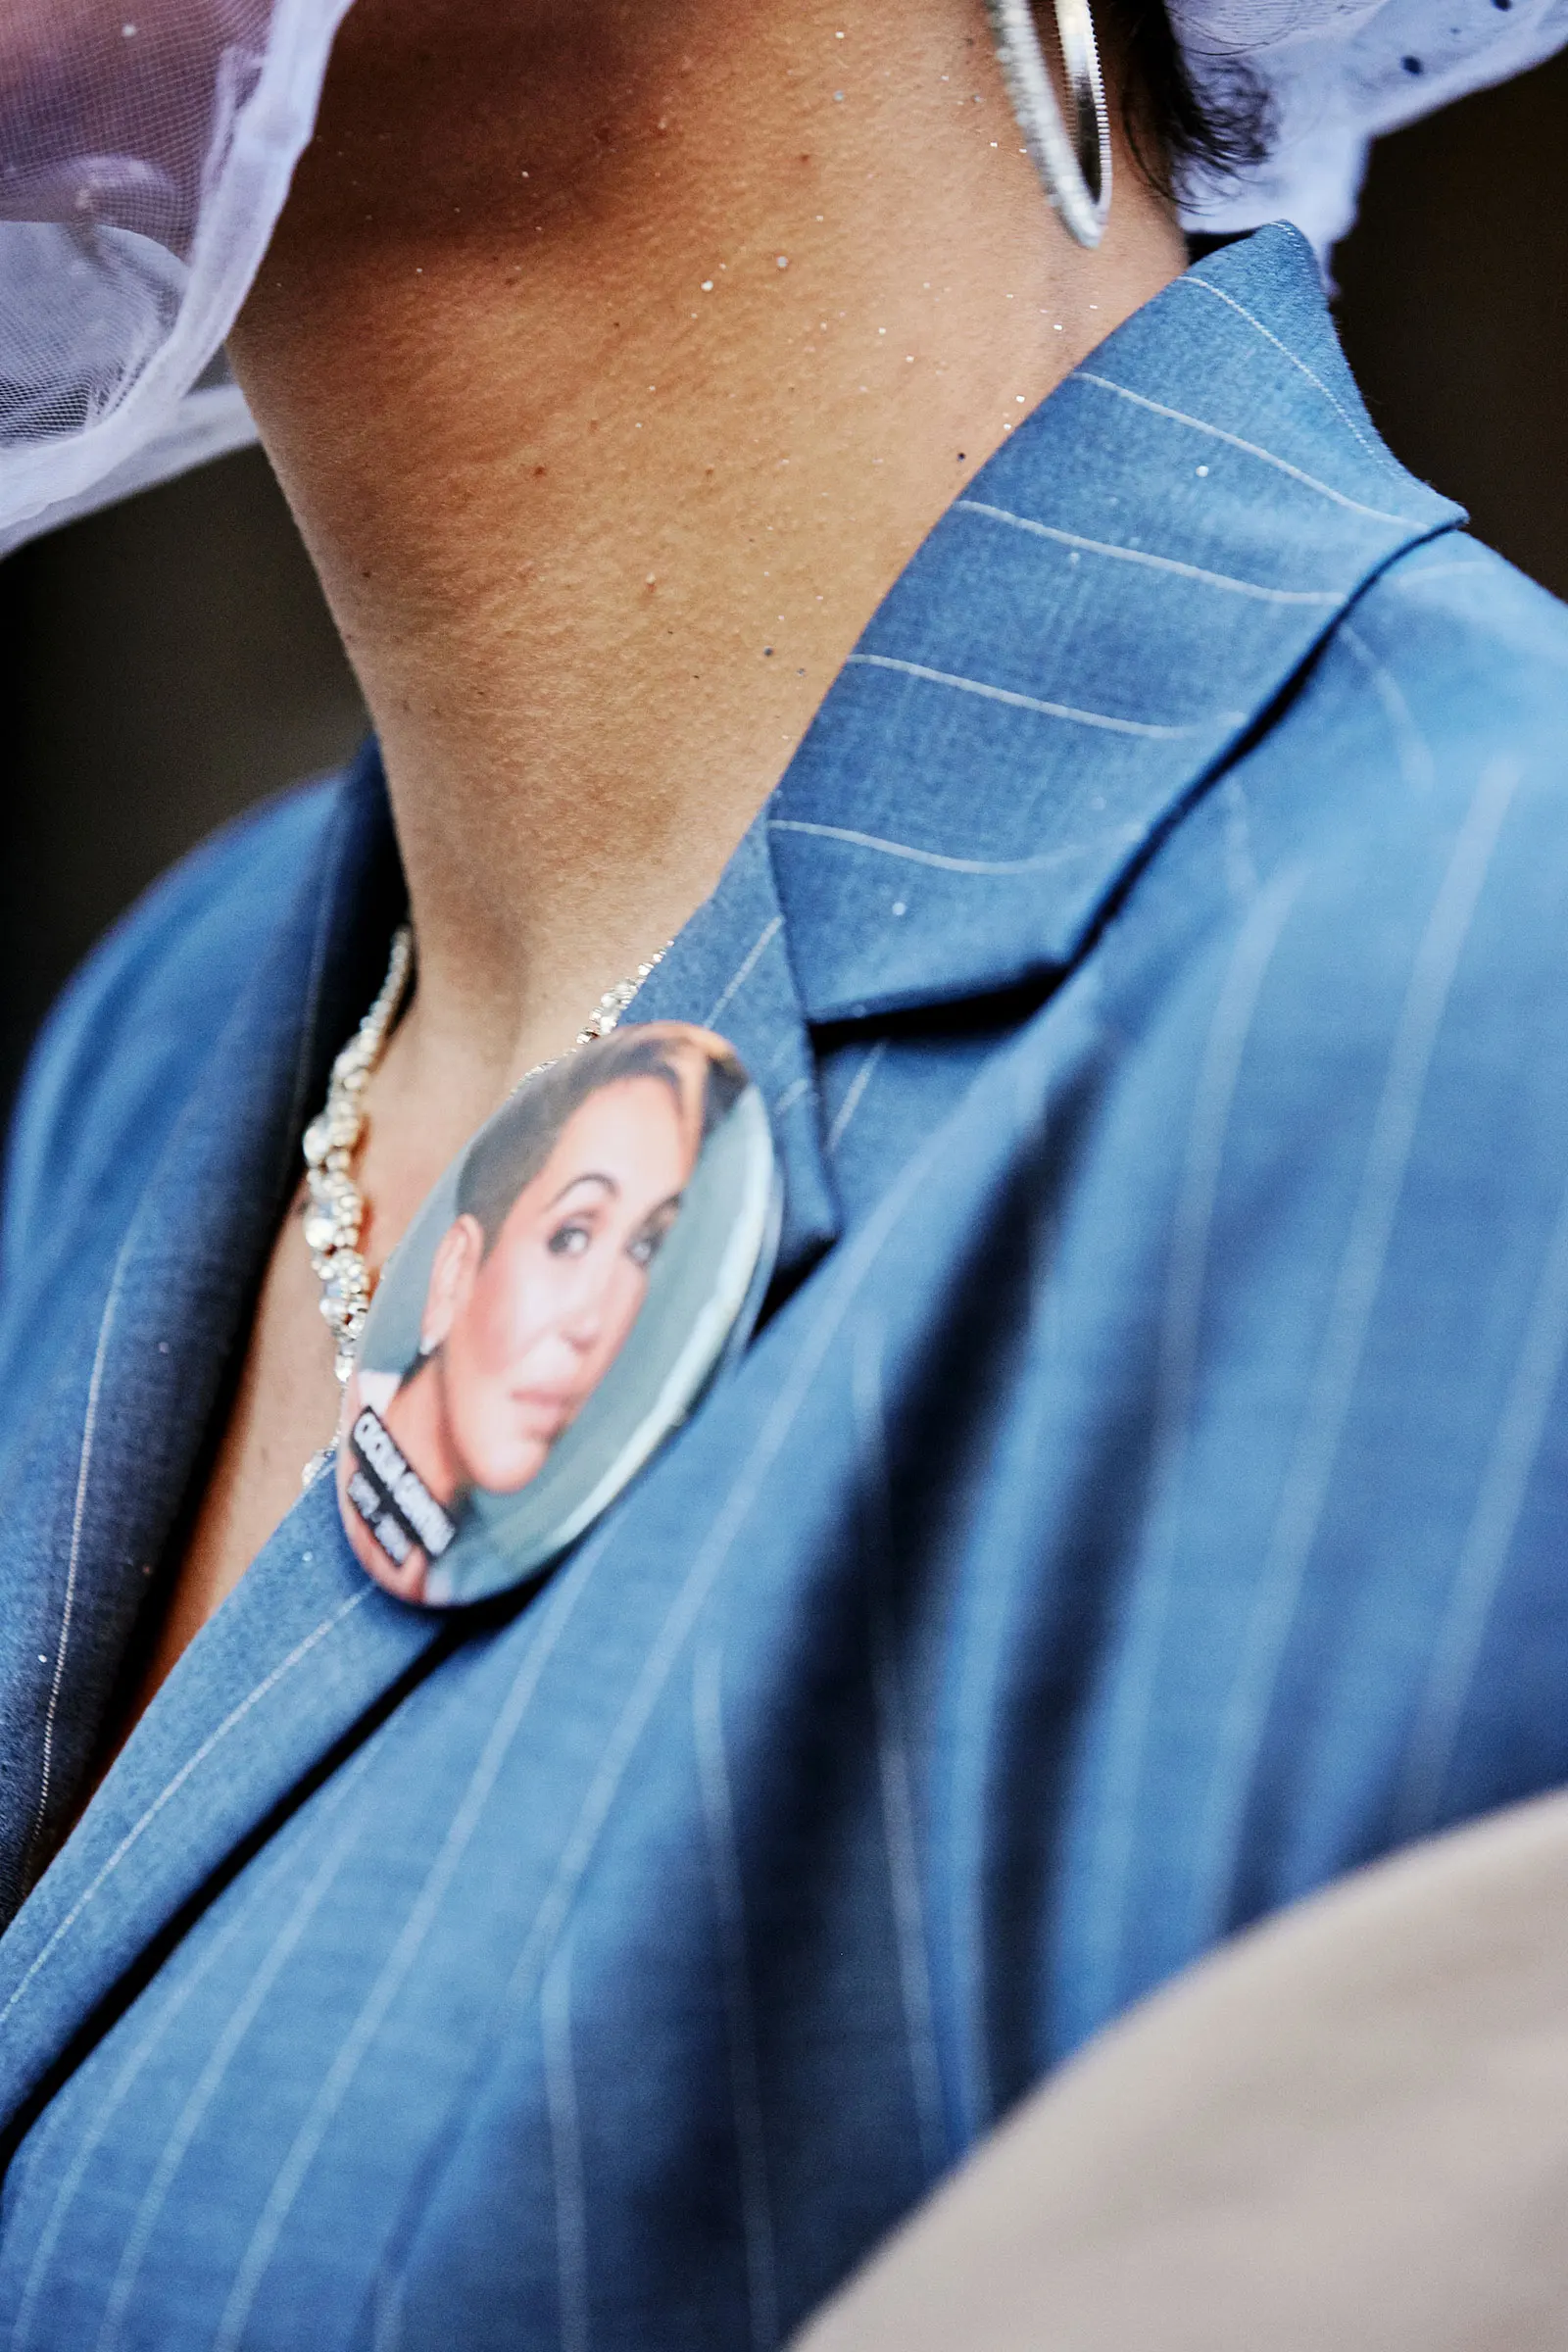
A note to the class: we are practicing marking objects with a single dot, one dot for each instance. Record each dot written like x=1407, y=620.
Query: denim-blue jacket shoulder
x=1140, y=1504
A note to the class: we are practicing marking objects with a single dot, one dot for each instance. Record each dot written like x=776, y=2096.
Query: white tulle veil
x=146, y=148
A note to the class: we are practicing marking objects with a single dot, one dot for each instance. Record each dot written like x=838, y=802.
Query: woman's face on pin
x=527, y=1331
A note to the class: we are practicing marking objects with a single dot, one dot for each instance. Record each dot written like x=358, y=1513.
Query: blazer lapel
x=1089, y=633
x=289, y=1668
x=100, y=1480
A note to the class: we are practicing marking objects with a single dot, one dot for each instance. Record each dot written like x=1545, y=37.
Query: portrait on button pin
x=555, y=1310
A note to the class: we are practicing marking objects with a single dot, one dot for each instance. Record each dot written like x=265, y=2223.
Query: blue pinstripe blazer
x=1144, y=1497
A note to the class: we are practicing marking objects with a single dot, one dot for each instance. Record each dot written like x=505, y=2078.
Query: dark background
x=165, y=664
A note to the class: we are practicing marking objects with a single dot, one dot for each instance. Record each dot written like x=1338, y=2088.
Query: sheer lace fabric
x=145, y=153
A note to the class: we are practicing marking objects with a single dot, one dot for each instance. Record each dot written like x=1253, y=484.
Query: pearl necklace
x=334, y=1217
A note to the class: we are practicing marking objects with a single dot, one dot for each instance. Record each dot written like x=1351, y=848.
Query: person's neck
x=616, y=363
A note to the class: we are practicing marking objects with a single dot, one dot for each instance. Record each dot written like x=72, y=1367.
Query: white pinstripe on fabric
x=1416, y=763
x=90, y=1429
x=748, y=966
x=1106, y=1894
x=1310, y=1474
x=729, y=1902
x=1241, y=878
x=1516, y=1442
x=1149, y=561
x=387, y=2314
x=855, y=1095
x=1146, y=730
x=1249, y=449
x=565, y=2151
x=982, y=867
x=962, y=1919
x=893, y=1759
x=1191, y=284
x=1409, y=575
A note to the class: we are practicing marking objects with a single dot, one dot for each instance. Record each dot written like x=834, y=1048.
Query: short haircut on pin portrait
x=509, y=1154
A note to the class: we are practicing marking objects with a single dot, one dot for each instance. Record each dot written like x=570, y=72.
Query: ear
x=453, y=1274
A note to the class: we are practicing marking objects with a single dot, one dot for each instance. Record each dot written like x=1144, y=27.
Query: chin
x=503, y=1473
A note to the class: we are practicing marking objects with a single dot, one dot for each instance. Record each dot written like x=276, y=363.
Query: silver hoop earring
x=1075, y=171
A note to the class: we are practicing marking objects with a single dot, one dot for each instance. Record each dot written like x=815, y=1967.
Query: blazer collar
x=1096, y=623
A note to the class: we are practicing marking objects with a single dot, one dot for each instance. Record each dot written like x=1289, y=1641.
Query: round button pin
x=557, y=1307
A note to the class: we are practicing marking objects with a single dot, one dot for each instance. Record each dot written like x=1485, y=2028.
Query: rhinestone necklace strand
x=334, y=1220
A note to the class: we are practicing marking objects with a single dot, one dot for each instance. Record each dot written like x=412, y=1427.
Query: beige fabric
x=1350, y=2129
